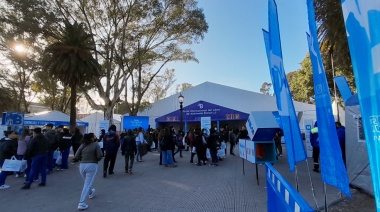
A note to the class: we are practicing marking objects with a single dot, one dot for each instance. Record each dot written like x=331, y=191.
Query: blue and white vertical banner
x=332, y=168
x=293, y=140
x=343, y=87
x=362, y=19
x=206, y=124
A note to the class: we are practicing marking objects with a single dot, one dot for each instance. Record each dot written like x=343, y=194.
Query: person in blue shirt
x=341, y=131
x=314, y=140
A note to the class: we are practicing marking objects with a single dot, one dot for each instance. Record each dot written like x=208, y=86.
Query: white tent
x=55, y=117
x=232, y=98
x=95, y=118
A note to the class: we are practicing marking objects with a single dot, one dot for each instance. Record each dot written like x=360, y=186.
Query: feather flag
x=294, y=145
x=362, y=19
x=332, y=167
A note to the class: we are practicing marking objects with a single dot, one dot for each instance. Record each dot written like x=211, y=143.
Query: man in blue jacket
x=314, y=140
x=341, y=131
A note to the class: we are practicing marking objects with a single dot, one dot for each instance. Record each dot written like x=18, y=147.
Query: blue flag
x=343, y=87
x=362, y=18
x=332, y=167
x=295, y=148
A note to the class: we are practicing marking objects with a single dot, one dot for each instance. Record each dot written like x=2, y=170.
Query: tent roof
x=55, y=117
x=95, y=117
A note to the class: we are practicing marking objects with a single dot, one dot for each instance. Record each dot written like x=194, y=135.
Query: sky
x=233, y=52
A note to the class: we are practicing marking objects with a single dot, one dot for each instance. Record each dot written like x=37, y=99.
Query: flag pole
x=324, y=191
x=312, y=185
x=335, y=98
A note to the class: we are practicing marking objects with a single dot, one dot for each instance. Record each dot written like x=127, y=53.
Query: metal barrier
x=281, y=194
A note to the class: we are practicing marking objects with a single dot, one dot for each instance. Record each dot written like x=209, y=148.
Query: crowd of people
x=38, y=147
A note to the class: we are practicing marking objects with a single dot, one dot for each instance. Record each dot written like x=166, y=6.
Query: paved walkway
x=157, y=188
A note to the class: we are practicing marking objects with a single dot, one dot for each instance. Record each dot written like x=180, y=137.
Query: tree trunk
x=108, y=114
x=73, y=110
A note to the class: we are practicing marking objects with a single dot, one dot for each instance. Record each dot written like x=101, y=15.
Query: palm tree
x=70, y=60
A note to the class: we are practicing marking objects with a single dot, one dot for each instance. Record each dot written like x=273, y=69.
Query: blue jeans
x=167, y=157
x=39, y=163
x=214, y=155
x=3, y=174
x=65, y=158
x=27, y=171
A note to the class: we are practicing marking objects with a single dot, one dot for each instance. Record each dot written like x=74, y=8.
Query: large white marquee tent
x=228, y=97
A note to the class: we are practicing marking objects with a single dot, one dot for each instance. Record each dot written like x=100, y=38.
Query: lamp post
x=180, y=100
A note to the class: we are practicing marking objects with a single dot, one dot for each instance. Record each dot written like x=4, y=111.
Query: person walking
x=128, y=150
x=52, y=137
x=111, y=145
x=64, y=145
x=140, y=141
x=213, y=145
x=277, y=142
x=22, y=144
x=167, y=144
x=6, y=152
x=89, y=154
x=76, y=139
x=37, y=149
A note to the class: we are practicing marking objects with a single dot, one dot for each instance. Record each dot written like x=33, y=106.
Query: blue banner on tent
x=134, y=122
x=362, y=18
x=55, y=123
x=195, y=111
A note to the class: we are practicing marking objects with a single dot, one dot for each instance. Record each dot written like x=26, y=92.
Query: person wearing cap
x=52, y=138
x=6, y=152
x=37, y=149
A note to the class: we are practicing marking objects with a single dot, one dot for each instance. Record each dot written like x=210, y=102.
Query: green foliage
x=266, y=88
x=70, y=60
x=182, y=87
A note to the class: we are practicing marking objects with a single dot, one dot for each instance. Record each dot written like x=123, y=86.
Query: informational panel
x=134, y=122
x=250, y=149
x=206, y=124
x=308, y=124
x=242, y=151
x=104, y=125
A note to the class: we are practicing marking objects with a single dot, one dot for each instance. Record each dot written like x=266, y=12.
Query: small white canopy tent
x=55, y=117
x=95, y=118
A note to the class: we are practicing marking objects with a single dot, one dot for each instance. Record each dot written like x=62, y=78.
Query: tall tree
x=266, y=88
x=182, y=87
x=134, y=38
x=160, y=86
x=70, y=60
x=332, y=34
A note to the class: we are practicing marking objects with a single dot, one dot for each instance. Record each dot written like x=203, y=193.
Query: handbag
x=11, y=165
x=194, y=150
x=208, y=155
x=24, y=165
x=56, y=154
x=59, y=159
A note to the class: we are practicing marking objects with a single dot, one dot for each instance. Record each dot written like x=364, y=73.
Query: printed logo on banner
x=242, y=149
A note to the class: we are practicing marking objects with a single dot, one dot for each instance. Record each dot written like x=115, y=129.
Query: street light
x=180, y=100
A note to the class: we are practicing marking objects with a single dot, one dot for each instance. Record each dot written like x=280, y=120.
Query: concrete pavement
x=157, y=188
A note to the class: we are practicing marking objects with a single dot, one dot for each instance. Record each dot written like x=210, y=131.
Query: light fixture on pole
x=180, y=100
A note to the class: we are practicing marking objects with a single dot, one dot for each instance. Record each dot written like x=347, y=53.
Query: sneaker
x=281, y=155
x=130, y=171
x=316, y=170
x=82, y=206
x=17, y=175
x=92, y=193
x=24, y=175
x=42, y=184
x=25, y=187
x=104, y=174
x=4, y=187
x=36, y=180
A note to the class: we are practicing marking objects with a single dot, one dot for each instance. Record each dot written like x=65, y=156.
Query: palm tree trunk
x=73, y=109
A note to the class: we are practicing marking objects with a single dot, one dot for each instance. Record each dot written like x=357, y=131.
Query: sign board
x=13, y=119
x=308, y=124
x=250, y=149
x=206, y=124
x=104, y=125
x=262, y=126
x=134, y=122
x=242, y=151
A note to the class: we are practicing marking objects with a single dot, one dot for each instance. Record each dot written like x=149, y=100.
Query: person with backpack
x=6, y=152
x=111, y=146
x=128, y=150
x=314, y=140
x=64, y=145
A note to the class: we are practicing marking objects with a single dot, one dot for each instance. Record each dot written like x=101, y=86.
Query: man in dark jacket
x=76, y=139
x=52, y=138
x=341, y=131
x=314, y=140
x=213, y=145
x=64, y=145
x=111, y=145
x=7, y=150
x=37, y=149
x=128, y=150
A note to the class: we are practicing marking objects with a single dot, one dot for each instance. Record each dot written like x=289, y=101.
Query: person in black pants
x=111, y=146
x=212, y=144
